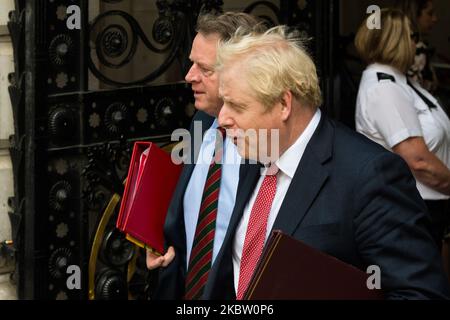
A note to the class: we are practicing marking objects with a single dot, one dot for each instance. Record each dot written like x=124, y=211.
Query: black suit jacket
x=356, y=201
x=170, y=283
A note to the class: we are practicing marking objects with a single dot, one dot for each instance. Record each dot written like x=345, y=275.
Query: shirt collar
x=210, y=134
x=289, y=160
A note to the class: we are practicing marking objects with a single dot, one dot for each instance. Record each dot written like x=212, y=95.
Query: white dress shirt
x=390, y=112
x=287, y=163
x=227, y=194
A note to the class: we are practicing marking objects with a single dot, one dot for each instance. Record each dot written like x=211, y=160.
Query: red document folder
x=151, y=180
x=289, y=269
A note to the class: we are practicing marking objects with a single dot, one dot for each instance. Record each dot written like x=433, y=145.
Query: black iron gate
x=80, y=98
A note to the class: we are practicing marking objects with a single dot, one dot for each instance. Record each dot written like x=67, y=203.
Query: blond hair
x=391, y=44
x=272, y=63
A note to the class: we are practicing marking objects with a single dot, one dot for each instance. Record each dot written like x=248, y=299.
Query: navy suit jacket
x=356, y=201
x=171, y=280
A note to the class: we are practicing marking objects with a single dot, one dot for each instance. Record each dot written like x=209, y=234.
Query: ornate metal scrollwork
x=61, y=49
x=116, y=250
x=59, y=195
x=62, y=123
x=164, y=113
x=111, y=285
x=163, y=31
x=58, y=262
x=116, y=117
x=115, y=45
x=267, y=19
x=114, y=42
x=106, y=168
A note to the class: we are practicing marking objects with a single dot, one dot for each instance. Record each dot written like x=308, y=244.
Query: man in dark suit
x=201, y=206
x=318, y=181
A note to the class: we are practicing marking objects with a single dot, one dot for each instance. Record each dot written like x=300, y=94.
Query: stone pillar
x=7, y=290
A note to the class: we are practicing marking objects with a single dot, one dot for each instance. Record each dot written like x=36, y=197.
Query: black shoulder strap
x=385, y=76
x=430, y=104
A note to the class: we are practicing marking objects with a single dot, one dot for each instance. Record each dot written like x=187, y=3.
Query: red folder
x=292, y=270
x=152, y=178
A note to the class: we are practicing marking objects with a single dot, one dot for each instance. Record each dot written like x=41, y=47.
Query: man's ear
x=286, y=105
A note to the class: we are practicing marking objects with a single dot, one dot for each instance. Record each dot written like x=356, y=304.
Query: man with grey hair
x=202, y=203
x=330, y=187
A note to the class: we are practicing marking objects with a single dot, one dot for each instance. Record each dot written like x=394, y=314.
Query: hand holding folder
x=290, y=269
x=151, y=181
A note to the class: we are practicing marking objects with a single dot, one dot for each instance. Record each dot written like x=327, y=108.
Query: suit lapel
x=304, y=188
x=308, y=180
x=183, y=182
x=248, y=178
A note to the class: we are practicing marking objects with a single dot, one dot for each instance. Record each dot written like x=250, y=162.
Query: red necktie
x=256, y=229
x=202, y=247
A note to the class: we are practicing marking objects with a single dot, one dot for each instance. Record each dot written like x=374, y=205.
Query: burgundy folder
x=289, y=269
x=151, y=181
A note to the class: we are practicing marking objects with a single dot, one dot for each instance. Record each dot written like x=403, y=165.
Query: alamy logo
x=374, y=21
x=374, y=280
x=261, y=145
x=73, y=17
x=74, y=279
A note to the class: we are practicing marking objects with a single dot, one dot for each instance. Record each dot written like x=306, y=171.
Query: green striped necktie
x=202, y=248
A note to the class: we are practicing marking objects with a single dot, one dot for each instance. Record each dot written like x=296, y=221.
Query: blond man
x=330, y=187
